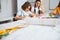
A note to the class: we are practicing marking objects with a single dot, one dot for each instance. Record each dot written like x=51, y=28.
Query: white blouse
x=36, y=9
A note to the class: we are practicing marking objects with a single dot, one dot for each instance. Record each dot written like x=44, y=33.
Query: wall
x=46, y=5
x=6, y=10
x=19, y=3
x=50, y=4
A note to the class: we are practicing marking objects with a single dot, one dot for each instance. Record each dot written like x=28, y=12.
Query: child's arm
x=19, y=17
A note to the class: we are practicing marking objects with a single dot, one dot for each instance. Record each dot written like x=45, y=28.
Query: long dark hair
x=35, y=2
x=59, y=4
x=35, y=6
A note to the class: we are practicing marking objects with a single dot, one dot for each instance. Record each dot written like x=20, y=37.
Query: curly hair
x=26, y=5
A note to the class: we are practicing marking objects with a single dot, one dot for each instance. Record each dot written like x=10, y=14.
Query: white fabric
x=57, y=28
x=45, y=21
x=34, y=32
x=35, y=9
x=22, y=13
x=11, y=24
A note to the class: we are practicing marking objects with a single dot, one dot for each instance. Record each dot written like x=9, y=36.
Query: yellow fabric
x=56, y=11
x=2, y=32
x=8, y=30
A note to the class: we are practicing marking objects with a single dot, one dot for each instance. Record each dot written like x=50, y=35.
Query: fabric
x=20, y=13
x=56, y=11
x=23, y=13
x=36, y=9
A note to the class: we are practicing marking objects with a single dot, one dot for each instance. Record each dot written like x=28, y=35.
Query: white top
x=35, y=9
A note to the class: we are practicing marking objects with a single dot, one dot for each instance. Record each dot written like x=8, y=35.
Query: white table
x=45, y=21
x=34, y=32
x=11, y=24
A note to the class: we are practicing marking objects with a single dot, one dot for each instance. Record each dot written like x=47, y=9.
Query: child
x=37, y=9
x=24, y=12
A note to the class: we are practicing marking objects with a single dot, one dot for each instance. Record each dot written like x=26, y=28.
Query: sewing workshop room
x=29, y=19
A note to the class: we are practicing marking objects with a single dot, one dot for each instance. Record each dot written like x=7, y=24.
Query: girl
x=24, y=12
x=37, y=9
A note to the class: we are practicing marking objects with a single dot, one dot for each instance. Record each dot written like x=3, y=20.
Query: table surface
x=34, y=32
x=49, y=21
x=32, y=21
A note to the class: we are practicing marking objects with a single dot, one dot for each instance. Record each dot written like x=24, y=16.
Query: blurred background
x=8, y=8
